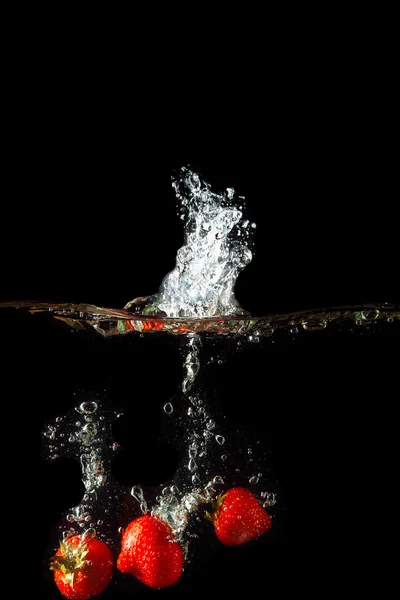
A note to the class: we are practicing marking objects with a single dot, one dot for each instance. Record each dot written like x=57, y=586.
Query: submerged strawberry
x=238, y=517
x=150, y=552
x=82, y=566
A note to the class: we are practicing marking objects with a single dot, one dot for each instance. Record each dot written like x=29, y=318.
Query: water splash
x=216, y=249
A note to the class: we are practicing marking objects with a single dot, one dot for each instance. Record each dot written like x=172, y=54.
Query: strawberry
x=150, y=552
x=82, y=567
x=238, y=517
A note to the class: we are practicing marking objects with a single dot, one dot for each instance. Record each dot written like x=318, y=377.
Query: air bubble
x=168, y=408
x=192, y=466
x=137, y=493
x=88, y=407
x=193, y=451
x=253, y=480
x=370, y=315
x=218, y=479
x=314, y=324
x=88, y=434
x=220, y=439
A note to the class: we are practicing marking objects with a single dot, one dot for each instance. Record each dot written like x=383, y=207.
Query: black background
x=88, y=215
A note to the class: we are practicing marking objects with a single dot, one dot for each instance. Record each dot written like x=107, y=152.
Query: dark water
x=317, y=408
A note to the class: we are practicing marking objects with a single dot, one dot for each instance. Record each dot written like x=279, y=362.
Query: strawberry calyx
x=216, y=505
x=69, y=559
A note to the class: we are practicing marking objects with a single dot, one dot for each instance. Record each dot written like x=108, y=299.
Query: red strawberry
x=150, y=552
x=238, y=517
x=82, y=567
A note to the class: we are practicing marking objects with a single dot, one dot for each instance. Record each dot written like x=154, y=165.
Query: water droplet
x=220, y=439
x=168, y=408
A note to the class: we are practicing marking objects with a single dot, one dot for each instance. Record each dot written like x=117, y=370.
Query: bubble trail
x=85, y=434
